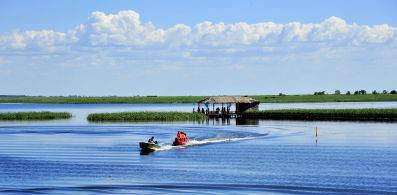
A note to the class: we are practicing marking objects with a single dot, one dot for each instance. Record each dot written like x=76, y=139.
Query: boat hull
x=179, y=143
x=150, y=147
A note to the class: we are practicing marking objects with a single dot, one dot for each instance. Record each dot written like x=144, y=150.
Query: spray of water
x=196, y=142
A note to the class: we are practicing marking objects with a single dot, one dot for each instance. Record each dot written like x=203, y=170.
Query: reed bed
x=326, y=114
x=34, y=115
x=146, y=116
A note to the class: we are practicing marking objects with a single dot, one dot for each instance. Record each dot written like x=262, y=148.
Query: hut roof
x=227, y=99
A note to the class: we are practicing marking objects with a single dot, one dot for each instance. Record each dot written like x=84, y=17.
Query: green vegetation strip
x=101, y=100
x=34, y=115
x=194, y=99
x=326, y=98
x=326, y=114
x=147, y=116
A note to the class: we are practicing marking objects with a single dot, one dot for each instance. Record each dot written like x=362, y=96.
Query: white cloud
x=241, y=33
x=123, y=28
x=376, y=34
x=43, y=39
x=126, y=29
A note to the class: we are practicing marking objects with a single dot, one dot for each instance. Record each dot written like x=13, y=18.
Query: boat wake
x=206, y=188
x=197, y=141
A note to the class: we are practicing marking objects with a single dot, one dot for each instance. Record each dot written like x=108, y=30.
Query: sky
x=178, y=47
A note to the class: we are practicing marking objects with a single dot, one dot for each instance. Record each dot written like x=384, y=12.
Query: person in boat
x=151, y=140
x=180, y=139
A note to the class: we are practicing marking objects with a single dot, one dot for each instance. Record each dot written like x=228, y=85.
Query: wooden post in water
x=316, y=131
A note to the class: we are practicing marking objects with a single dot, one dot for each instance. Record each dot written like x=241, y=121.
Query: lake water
x=77, y=157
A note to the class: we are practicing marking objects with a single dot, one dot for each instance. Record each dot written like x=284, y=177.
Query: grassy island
x=194, y=99
x=5, y=116
x=146, y=116
x=101, y=99
x=326, y=98
x=326, y=114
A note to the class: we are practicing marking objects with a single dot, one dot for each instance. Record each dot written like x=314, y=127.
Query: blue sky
x=65, y=14
x=196, y=47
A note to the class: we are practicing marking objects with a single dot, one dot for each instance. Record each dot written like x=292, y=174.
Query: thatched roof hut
x=228, y=100
x=242, y=103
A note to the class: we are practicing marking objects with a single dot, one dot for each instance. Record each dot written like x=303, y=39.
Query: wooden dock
x=215, y=114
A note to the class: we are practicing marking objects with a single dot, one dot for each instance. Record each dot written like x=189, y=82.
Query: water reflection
x=240, y=121
x=232, y=121
x=208, y=122
x=218, y=121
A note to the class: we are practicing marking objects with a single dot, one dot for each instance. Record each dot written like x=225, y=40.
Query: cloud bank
x=126, y=30
x=119, y=54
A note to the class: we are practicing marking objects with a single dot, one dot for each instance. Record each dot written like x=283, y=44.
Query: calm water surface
x=77, y=157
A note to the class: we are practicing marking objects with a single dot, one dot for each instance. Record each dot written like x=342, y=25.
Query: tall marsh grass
x=146, y=116
x=326, y=114
x=34, y=115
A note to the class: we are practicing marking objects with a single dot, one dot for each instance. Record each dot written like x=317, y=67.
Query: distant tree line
x=11, y=96
x=319, y=93
x=357, y=92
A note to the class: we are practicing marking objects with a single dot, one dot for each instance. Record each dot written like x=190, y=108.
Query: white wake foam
x=194, y=142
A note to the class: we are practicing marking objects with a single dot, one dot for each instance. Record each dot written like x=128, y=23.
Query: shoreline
x=195, y=99
x=366, y=114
